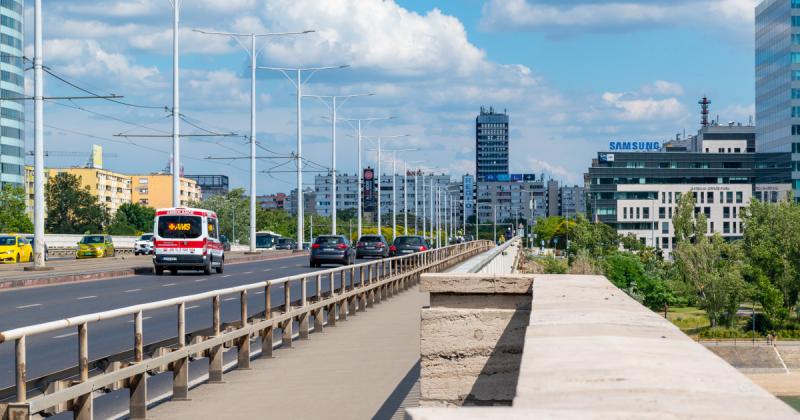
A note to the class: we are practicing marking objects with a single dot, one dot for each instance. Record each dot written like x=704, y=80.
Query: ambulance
x=187, y=239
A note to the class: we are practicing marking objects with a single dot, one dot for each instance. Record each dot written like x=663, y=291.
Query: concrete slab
x=346, y=372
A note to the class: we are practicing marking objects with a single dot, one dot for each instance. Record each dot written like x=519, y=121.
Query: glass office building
x=12, y=86
x=778, y=81
x=491, y=145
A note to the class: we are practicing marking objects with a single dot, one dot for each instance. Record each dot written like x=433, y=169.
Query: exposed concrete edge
x=476, y=283
x=56, y=278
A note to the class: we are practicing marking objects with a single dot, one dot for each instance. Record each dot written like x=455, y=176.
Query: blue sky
x=572, y=74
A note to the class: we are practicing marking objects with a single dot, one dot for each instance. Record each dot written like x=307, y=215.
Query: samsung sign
x=635, y=146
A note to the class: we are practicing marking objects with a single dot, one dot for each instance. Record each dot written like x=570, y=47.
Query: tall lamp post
x=253, y=52
x=298, y=82
x=379, y=156
x=405, y=195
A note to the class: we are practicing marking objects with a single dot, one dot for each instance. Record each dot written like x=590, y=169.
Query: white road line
x=132, y=291
x=192, y=307
x=33, y=305
x=266, y=269
x=168, y=285
x=200, y=280
x=299, y=265
x=260, y=292
x=143, y=319
x=66, y=335
x=226, y=275
x=228, y=299
x=86, y=297
x=284, y=266
x=248, y=272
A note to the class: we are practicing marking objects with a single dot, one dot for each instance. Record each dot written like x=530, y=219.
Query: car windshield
x=146, y=237
x=329, y=240
x=8, y=241
x=284, y=241
x=408, y=241
x=265, y=241
x=180, y=227
x=94, y=239
x=370, y=239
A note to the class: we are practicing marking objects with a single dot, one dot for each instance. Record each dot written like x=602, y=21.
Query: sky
x=572, y=75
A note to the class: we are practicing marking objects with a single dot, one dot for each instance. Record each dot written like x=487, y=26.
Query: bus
x=266, y=240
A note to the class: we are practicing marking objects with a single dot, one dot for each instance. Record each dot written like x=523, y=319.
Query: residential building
x=155, y=190
x=777, y=70
x=572, y=200
x=211, y=185
x=638, y=192
x=346, y=193
x=12, y=85
x=491, y=144
x=522, y=198
x=553, y=198
x=309, y=202
x=111, y=188
x=468, y=195
x=272, y=201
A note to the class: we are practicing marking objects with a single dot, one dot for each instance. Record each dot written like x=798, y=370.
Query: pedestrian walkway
x=363, y=368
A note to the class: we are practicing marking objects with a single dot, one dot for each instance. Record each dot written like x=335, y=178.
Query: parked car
x=95, y=246
x=286, y=243
x=15, y=249
x=306, y=246
x=144, y=245
x=403, y=245
x=226, y=244
x=372, y=246
x=331, y=249
x=30, y=240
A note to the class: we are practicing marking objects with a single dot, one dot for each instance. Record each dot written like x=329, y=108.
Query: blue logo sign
x=635, y=146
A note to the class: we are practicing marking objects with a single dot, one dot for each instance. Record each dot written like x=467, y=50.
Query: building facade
x=637, y=193
x=572, y=200
x=777, y=69
x=309, y=202
x=491, y=144
x=111, y=188
x=155, y=190
x=211, y=185
x=12, y=85
x=272, y=201
x=523, y=199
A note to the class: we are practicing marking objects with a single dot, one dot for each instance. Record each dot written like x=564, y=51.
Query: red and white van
x=187, y=239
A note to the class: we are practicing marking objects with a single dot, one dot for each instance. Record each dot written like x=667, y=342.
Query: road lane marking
x=299, y=265
x=226, y=275
x=168, y=285
x=66, y=335
x=228, y=299
x=284, y=266
x=33, y=305
x=200, y=280
x=192, y=307
x=260, y=292
x=132, y=291
x=266, y=269
x=143, y=319
x=86, y=297
x=248, y=272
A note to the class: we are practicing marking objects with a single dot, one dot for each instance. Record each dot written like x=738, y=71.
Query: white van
x=187, y=239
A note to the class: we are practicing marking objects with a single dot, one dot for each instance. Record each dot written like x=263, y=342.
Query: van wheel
x=159, y=271
x=207, y=267
x=221, y=267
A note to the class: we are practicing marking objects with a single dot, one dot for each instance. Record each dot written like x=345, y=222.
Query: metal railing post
x=21, y=369
x=370, y=280
x=318, y=314
x=243, y=353
x=138, y=383
x=288, y=325
x=362, y=297
x=180, y=368
x=332, y=307
x=267, y=333
x=344, y=300
x=352, y=300
x=304, y=302
x=82, y=406
x=215, y=357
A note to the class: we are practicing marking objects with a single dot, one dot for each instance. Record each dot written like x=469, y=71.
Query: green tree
x=688, y=224
x=72, y=209
x=233, y=211
x=625, y=270
x=132, y=219
x=598, y=239
x=631, y=243
x=12, y=210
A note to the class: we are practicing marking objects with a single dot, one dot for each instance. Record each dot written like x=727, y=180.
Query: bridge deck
x=360, y=369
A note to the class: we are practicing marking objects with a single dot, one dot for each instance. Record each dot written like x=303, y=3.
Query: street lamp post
x=298, y=84
x=405, y=196
x=380, y=177
x=253, y=52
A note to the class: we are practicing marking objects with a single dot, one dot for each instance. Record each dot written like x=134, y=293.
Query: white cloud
x=81, y=58
x=661, y=87
x=644, y=109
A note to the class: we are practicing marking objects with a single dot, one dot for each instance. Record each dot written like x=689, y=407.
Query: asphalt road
x=58, y=350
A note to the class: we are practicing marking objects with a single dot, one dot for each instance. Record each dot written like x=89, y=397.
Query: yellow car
x=95, y=246
x=15, y=249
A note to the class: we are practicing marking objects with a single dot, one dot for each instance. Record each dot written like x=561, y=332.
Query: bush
x=585, y=264
x=724, y=332
x=552, y=265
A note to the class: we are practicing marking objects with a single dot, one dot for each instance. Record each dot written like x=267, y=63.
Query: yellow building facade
x=155, y=190
x=111, y=188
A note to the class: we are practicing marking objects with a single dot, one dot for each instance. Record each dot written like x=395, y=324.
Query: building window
x=664, y=227
x=710, y=197
x=670, y=212
x=637, y=212
x=662, y=213
x=143, y=180
x=734, y=212
x=729, y=197
x=726, y=227
x=726, y=212
x=739, y=197
x=707, y=211
x=711, y=229
x=665, y=243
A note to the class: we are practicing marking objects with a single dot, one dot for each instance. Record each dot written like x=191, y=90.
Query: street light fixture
x=405, y=195
x=380, y=175
x=298, y=84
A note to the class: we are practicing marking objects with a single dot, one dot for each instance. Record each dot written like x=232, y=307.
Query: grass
x=689, y=319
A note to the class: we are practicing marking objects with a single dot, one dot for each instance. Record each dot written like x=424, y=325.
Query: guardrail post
x=318, y=314
x=243, y=353
x=180, y=367
x=305, y=315
x=288, y=325
x=371, y=293
x=352, y=300
x=138, y=383
x=362, y=297
x=332, y=306
x=21, y=370
x=267, y=333
x=82, y=406
x=215, y=357
x=343, y=301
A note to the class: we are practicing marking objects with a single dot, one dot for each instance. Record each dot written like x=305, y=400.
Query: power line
x=50, y=72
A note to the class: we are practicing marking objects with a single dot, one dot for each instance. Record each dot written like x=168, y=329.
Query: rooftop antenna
x=704, y=103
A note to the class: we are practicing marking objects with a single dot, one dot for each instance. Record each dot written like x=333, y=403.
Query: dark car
x=226, y=244
x=404, y=245
x=286, y=243
x=372, y=246
x=331, y=249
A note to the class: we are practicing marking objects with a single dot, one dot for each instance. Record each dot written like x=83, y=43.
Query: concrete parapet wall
x=472, y=338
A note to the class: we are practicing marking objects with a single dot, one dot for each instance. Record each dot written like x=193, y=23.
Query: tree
x=233, y=211
x=12, y=210
x=625, y=270
x=132, y=219
x=631, y=242
x=72, y=209
x=686, y=222
x=598, y=239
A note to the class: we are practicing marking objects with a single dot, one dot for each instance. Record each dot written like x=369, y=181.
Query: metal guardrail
x=378, y=280
x=491, y=255
x=61, y=251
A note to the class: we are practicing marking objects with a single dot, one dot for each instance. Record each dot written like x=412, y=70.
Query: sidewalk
x=363, y=368
x=71, y=270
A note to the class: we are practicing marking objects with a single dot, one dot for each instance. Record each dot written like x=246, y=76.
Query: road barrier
x=74, y=391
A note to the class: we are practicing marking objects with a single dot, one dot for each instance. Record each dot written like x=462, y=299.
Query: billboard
x=368, y=193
